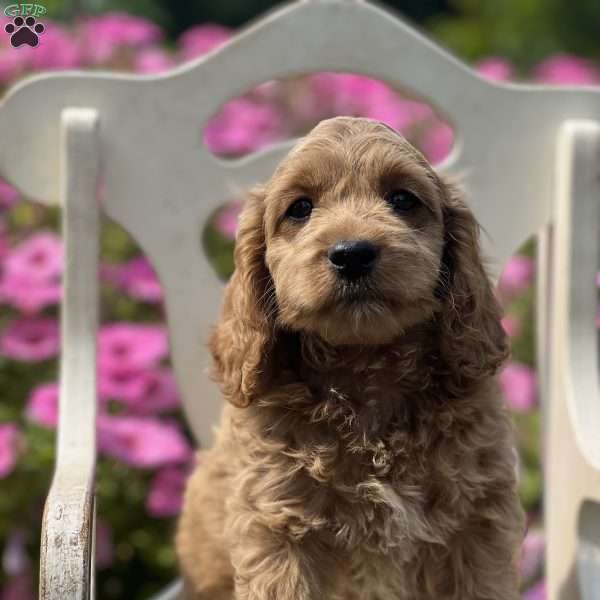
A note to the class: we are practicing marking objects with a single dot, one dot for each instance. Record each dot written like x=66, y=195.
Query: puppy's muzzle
x=352, y=259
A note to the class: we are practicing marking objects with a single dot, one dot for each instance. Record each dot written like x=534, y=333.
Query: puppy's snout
x=353, y=258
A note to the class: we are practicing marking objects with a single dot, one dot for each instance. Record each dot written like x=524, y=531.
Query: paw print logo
x=24, y=31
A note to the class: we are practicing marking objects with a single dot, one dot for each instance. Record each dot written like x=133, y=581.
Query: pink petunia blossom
x=532, y=555
x=519, y=386
x=565, y=69
x=38, y=257
x=495, y=68
x=103, y=35
x=142, y=392
x=57, y=50
x=330, y=94
x=537, y=592
x=42, y=405
x=200, y=39
x=4, y=244
x=511, y=326
x=120, y=383
x=11, y=66
x=31, y=277
x=136, y=278
x=437, y=142
x=166, y=492
x=158, y=393
x=401, y=114
x=16, y=565
x=130, y=346
x=9, y=196
x=14, y=555
x=227, y=220
x=142, y=442
x=346, y=93
x=516, y=276
x=243, y=126
x=104, y=545
x=30, y=339
x=10, y=437
x=29, y=295
x=152, y=60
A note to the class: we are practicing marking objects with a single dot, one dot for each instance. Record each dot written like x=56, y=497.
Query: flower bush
x=144, y=446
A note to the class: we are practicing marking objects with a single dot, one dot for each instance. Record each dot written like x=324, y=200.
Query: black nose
x=353, y=258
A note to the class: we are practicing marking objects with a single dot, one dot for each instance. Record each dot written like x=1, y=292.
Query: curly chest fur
x=377, y=467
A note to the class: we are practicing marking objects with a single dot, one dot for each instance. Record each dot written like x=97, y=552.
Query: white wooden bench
x=131, y=146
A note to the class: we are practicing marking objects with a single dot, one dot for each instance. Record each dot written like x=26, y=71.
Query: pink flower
x=564, y=69
x=152, y=60
x=32, y=270
x=28, y=295
x=158, y=392
x=120, y=384
x=105, y=34
x=143, y=392
x=142, y=442
x=346, y=93
x=11, y=64
x=136, y=278
x=4, y=245
x=104, y=545
x=129, y=346
x=537, y=592
x=39, y=257
x=14, y=556
x=42, y=405
x=57, y=50
x=495, y=68
x=166, y=492
x=437, y=142
x=532, y=555
x=519, y=386
x=511, y=326
x=17, y=568
x=227, y=220
x=398, y=113
x=516, y=275
x=10, y=437
x=8, y=194
x=30, y=339
x=350, y=94
x=242, y=126
x=200, y=39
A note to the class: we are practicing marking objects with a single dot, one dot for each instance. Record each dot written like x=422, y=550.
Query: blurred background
x=145, y=447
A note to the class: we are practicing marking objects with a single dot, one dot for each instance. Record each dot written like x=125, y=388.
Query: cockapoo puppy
x=365, y=452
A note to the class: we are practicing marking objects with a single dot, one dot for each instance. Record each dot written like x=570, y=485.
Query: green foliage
x=523, y=31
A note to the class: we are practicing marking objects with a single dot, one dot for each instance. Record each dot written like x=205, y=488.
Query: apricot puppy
x=365, y=452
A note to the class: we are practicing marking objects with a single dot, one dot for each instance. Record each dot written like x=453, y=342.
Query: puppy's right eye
x=300, y=209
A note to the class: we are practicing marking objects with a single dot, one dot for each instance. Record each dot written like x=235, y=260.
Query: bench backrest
x=161, y=183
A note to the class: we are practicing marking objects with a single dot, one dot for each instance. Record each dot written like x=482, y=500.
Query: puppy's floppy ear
x=474, y=344
x=244, y=336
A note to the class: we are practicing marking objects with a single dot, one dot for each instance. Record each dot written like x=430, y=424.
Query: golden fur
x=365, y=453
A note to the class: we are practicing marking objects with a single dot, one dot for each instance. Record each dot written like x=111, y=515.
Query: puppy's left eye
x=402, y=201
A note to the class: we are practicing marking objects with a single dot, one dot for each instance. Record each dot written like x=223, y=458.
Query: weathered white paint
x=65, y=571
x=161, y=183
x=573, y=433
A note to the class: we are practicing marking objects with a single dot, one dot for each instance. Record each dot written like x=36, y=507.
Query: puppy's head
x=354, y=239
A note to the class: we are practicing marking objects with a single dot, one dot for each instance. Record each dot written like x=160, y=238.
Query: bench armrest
x=67, y=546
